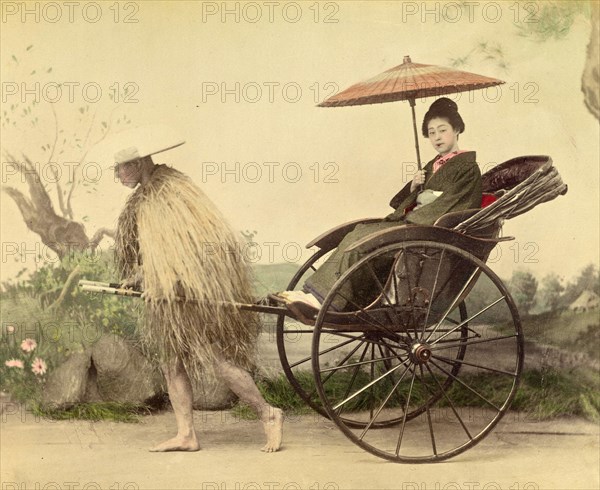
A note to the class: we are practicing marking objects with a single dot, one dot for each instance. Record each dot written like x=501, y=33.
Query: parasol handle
x=412, y=107
x=414, y=117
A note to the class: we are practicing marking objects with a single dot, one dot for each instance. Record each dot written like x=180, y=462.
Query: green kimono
x=458, y=180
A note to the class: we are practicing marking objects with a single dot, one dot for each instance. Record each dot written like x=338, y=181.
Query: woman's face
x=129, y=173
x=442, y=136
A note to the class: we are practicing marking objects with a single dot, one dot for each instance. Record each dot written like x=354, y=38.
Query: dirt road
x=518, y=455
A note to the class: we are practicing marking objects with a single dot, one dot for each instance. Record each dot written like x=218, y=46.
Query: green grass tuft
x=542, y=394
x=117, y=412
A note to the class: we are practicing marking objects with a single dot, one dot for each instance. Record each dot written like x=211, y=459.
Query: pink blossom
x=28, y=345
x=14, y=363
x=38, y=366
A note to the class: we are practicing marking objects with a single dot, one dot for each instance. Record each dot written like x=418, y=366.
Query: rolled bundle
x=542, y=185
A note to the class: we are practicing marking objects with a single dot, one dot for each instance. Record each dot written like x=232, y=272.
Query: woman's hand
x=418, y=180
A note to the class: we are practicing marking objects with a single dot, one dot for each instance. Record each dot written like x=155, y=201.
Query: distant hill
x=578, y=332
x=270, y=278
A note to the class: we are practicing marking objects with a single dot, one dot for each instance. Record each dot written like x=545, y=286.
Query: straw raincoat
x=192, y=271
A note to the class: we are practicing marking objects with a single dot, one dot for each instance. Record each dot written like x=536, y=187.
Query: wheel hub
x=420, y=353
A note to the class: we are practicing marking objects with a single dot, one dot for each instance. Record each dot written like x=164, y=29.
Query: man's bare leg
x=180, y=394
x=242, y=384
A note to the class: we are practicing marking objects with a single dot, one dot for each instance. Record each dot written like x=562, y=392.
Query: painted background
x=174, y=55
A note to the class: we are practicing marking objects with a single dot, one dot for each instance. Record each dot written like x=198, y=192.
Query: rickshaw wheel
x=448, y=381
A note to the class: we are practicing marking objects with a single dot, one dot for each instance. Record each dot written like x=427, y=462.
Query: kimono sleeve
x=401, y=196
x=462, y=190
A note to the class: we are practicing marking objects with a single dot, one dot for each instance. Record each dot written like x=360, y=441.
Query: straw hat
x=143, y=141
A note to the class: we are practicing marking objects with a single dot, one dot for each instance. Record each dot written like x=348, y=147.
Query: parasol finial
x=406, y=59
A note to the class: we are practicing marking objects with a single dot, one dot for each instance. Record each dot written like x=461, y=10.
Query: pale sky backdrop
x=173, y=56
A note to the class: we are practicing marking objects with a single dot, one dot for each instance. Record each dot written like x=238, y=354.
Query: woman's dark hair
x=446, y=109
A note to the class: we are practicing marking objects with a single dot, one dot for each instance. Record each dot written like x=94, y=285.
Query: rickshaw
x=416, y=368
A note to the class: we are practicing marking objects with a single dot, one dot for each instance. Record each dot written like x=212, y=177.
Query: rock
x=66, y=385
x=92, y=394
x=210, y=393
x=123, y=374
x=115, y=370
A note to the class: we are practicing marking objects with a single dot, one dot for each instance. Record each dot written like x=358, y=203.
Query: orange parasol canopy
x=410, y=81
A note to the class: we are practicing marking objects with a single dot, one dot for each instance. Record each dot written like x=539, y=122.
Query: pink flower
x=38, y=366
x=14, y=363
x=28, y=345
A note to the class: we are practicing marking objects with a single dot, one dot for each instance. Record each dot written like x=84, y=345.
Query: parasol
x=410, y=81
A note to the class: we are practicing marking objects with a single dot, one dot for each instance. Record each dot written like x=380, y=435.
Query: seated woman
x=450, y=182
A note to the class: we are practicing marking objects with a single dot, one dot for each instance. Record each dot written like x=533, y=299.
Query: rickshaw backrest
x=519, y=184
x=511, y=173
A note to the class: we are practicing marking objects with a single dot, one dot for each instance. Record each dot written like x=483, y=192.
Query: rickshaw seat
x=450, y=220
x=496, y=183
x=332, y=237
x=488, y=198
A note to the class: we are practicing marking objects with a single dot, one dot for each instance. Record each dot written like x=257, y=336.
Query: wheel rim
x=290, y=333
x=433, y=380
x=298, y=368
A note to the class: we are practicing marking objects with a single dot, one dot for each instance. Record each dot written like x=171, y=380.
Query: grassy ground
x=575, y=332
x=542, y=394
x=117, y=412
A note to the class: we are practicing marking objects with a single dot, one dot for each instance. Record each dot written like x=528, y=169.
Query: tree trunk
x=590, y=80
x=59, y=234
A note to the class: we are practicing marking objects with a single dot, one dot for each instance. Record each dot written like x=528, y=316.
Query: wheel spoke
x=462, y=339
x=370, y=341
x=452, y=361
x=360, y=363
x=348, y=356
x=392, y=379
x=401, y=434
x=443, y=391
x=404, y=259
x=389, y=311
x=384, y=403
x=448, y=279
x=453, y=304
x=367, y=386
x=374, y=322
x=410, y=298
x=428, y=412
x=465, y=385
x=437, y=273
x=395, y=279
x=306, y=359
x=468, y=319
x=371, y=392
x=352, y=380
x=456, y=322
x=482, y=341
x=403, y=347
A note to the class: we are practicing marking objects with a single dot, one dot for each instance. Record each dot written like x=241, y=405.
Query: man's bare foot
x=178, y=443
x=273, y=426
